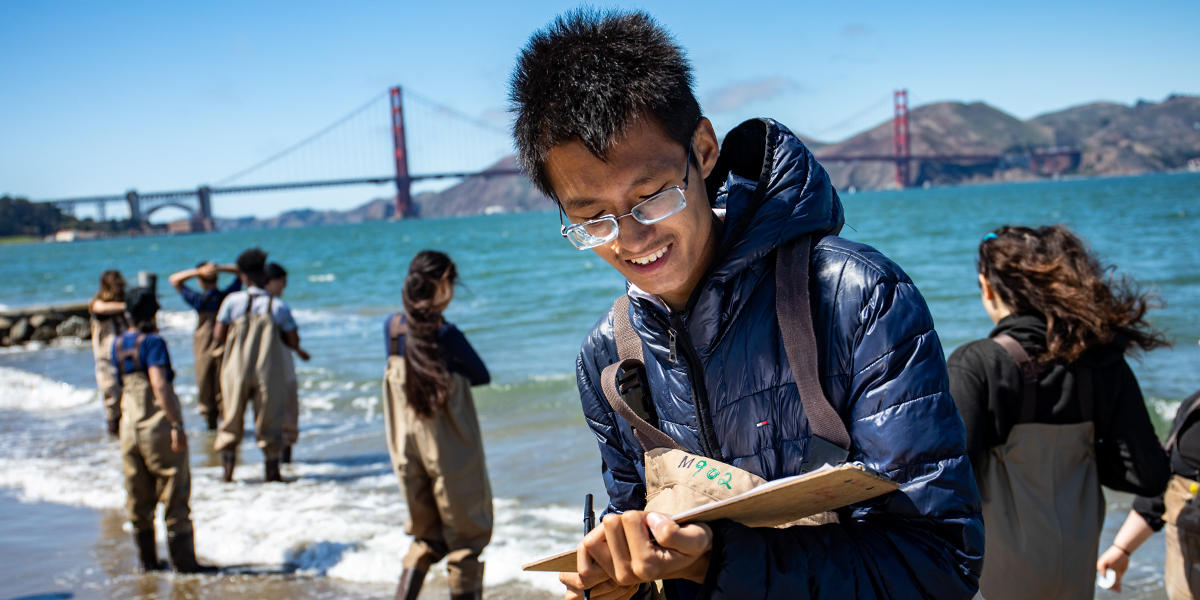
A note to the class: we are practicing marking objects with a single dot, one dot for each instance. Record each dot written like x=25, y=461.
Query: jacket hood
x=1030, y=331
x=773, y=191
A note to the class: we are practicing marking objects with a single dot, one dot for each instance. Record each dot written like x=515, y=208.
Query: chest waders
x=255, y=369
x=104, y=331
x=439, y=461
x=153, y=471
x=208, y=368
x=671, y=484
x=1042, y=505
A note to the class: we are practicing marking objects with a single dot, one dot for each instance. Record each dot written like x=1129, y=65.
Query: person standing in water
x=154, y=454
x=433, y=434
x=276, y=284
x=252, y=329
x=107, y=310
x=205, y=303
x=1152, y=513
x=1052, y=410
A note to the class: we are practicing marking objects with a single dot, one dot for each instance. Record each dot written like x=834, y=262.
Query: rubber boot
x=285, y=456
x=182, y=548
x=211, y=417
x=475, y=595
x=411, y=581
x=271, y=470
x=147, y=551
x=228, y=462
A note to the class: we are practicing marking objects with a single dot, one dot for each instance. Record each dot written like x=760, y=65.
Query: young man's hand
x=637, y=547
x=304, y=356
x=178, y=440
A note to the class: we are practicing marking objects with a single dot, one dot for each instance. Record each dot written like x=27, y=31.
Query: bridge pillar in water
x=205, y=216
x=404, y=205
x=135, y=206
x=101, y=211
x=900, y=141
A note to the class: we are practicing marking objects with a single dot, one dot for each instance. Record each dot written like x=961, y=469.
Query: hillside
x=1113, y=139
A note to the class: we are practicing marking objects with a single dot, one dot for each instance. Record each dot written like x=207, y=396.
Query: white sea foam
x=322, y=278
x=336, y=518
x=22, y=390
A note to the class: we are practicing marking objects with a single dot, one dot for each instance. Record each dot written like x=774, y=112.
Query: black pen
x=589, y=522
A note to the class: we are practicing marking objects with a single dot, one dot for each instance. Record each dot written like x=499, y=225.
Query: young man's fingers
x=692, y=540
x=592, y=560
x=618, y=546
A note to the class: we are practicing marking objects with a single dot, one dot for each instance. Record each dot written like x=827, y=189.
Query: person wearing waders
x=154, y=454
x=276, y=284
x=1052, y=409
x=206, y=302
x=1171, y=510
x=749, y=332
x=433, y=434
x=254, y=331
x=107, y=309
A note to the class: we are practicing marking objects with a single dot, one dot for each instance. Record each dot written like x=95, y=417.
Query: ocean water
x=527, y=301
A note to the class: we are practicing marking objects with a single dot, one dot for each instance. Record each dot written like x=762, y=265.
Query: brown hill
x=476, y=195
x=1117, y=139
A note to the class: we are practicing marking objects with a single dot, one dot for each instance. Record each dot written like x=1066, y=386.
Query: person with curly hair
x=1052, y=410
x=433, y=434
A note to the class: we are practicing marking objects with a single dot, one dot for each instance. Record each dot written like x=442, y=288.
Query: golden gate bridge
x=197, y=202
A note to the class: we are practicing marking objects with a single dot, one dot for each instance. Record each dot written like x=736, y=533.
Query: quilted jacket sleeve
x=924, y=540
x=626, y=491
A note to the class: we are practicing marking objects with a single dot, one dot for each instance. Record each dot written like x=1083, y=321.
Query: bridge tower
x=900, y=142
x=404, y=206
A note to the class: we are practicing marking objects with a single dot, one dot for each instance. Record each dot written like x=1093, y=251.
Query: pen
x=589, y=521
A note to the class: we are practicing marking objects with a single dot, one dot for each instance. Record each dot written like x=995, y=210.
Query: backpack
x=1187, y=523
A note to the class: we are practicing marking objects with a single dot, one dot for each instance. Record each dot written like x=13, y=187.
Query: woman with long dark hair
x=433, y=433
x=107, y=310
x=1052, y=410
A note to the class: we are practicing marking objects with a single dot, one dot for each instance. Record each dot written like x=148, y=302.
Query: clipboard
x=771, y=504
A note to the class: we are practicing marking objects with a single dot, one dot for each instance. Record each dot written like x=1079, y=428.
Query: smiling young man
x=608, y=126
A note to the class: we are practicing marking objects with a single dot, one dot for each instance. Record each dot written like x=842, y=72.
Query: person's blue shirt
x=152, y=353
x=208, y=300
x=457, y=353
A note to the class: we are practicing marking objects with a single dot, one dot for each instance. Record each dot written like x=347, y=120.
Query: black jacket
x=1185, y=461
x=986, y=386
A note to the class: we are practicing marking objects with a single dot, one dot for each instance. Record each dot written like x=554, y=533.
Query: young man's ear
x=705, y=147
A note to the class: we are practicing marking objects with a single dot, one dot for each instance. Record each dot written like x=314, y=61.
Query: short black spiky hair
x=587, y=75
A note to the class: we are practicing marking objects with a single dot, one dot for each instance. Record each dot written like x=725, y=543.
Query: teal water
x=528, y=300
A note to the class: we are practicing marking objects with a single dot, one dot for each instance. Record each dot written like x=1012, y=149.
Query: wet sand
x=57, y=552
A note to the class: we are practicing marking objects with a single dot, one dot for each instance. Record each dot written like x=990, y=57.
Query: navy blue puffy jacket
x=881, y=366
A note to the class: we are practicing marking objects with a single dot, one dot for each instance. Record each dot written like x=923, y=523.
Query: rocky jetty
x=44, y=323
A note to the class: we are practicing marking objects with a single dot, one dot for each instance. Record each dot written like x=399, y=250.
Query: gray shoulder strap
x=619, y=376
x=1029, y=375
x=830, y=442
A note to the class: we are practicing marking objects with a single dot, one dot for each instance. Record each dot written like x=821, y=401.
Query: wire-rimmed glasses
x=653, y=209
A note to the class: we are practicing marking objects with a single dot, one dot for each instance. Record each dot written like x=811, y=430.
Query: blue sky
x=99, y=98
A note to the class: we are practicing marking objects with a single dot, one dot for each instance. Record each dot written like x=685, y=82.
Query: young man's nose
x=633, y=235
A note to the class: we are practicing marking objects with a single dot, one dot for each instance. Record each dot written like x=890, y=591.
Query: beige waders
x=153, y=472
x=104, y=331
x=1043, y=508
x=255, y=369
x=442, y=471
x=1175, y=569
x=208, y=368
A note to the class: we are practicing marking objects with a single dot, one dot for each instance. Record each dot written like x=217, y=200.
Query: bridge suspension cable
x=373, y=102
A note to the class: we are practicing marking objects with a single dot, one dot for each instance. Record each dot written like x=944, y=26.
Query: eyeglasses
x=653, y=209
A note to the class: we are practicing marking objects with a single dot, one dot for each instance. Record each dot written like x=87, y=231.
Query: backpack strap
x=133, y=354
x=1029, y=375
x=830, y=442
x=624, y=378
x=396, y=329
